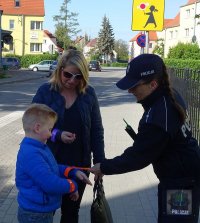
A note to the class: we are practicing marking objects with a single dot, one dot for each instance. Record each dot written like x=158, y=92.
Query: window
x=171, y=34
x=176, y=34
x=36, y=47
x=11, y=47
x=187, y=13
x=187, y=32
x=11, y=24
x=17, y=3
x=36, y=25
x=150, y=45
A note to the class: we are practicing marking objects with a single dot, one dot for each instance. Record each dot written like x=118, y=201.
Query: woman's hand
x=68, y=137
x=96, y=170
x=74, y=196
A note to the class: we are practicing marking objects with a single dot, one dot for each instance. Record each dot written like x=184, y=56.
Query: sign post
x=148, y=16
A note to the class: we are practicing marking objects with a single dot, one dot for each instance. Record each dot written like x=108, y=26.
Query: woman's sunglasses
x=70, y=75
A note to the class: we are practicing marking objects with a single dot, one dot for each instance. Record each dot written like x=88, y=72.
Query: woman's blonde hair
x=37, y=113
x=75, y=58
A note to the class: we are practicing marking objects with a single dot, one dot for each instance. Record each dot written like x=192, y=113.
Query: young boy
x=41, y=182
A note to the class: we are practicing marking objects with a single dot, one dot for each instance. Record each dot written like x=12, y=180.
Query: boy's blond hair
x=37, y=113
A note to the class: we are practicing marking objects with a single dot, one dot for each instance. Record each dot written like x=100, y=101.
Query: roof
x=48, y=34
x=167, y=21
x=152, y=36
x=173, y=22
x=27, y=7
x=92, y=43
x=191, y=2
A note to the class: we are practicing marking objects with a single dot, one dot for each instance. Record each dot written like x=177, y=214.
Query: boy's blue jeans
x=25, y=216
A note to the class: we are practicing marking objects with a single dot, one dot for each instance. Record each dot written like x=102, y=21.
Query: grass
x=3, y=73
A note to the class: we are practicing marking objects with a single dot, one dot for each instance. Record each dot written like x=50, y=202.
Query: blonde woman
x=78, y=132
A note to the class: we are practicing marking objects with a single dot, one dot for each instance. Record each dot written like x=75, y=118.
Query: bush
x=180, y=63
x=29, y=59
x=184, y=51
x=116, y=64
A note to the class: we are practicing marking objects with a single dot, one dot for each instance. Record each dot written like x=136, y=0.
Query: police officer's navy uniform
x=166, y=143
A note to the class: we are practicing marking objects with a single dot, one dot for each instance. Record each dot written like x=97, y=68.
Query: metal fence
x=187, y=83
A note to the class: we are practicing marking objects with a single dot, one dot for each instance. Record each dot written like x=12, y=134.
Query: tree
x=159, y=48
x=121, y=48
x=66, y=25
x=106, y=39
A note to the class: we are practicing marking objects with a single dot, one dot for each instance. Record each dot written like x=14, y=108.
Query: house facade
x=49, y=43
x=184, y=28
x=24, y=18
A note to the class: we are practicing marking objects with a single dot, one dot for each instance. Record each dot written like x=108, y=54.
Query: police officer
x=164, y=139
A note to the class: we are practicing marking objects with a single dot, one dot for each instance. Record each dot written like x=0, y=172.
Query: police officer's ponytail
x=164, y=81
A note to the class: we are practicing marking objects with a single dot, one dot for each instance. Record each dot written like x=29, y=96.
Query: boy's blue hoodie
x=40, y=180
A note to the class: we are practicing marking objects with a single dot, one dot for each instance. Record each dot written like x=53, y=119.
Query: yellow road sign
x=148, y=15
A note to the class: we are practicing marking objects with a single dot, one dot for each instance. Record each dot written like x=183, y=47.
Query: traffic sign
x=141, y=40
x=148, y=15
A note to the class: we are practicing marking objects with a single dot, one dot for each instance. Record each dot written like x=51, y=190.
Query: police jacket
x=162, y=140
x=93, y=132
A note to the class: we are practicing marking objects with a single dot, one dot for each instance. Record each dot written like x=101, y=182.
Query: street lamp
x=1, y=13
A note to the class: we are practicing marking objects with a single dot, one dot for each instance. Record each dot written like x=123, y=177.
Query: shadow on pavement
x=134, y=207
x=108, y=93
x=16, y=96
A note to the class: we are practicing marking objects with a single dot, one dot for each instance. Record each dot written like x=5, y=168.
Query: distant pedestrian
x=41, y=182
x=164, y=139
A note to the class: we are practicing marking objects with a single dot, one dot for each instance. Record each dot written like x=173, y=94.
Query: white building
x=49, y=43
x=183, y=28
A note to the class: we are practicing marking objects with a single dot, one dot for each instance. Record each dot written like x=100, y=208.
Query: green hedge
x=180, y=63
x=116, y=64
x=29, y=59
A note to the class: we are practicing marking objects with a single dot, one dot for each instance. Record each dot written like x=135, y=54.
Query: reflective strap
x=53, y=134
x=68, y=169
x=71, y=186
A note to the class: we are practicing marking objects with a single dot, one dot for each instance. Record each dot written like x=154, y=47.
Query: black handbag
x=100, y=210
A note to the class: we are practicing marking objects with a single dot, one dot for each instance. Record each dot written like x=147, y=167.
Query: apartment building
x=24, y=18
x=184, y=28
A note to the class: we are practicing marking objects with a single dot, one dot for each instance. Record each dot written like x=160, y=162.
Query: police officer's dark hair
x=163, y=81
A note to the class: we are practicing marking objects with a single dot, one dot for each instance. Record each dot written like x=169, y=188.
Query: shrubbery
x=26, y=60
x=184, y=55
x=180, y=63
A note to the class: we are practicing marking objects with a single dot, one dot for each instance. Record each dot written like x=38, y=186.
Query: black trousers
x=178, y=201
x=69, y=208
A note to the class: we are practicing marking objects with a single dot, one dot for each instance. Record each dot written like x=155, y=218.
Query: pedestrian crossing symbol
x=148, y=15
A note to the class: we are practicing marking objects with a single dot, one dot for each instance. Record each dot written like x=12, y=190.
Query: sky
x=91, y=13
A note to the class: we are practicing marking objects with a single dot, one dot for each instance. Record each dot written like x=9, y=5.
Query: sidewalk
x=21, y=75
x=132, y=196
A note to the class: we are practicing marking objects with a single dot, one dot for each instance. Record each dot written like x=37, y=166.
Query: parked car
x=94, y=65
x=11, y=63
x=52, y=67
x=41, y=66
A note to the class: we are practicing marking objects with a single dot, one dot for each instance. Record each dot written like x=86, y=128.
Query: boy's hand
x=81, y=176
x=74, y=196
x=68, y=137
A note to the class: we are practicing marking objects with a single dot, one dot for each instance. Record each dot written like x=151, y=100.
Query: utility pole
x=1, y=12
